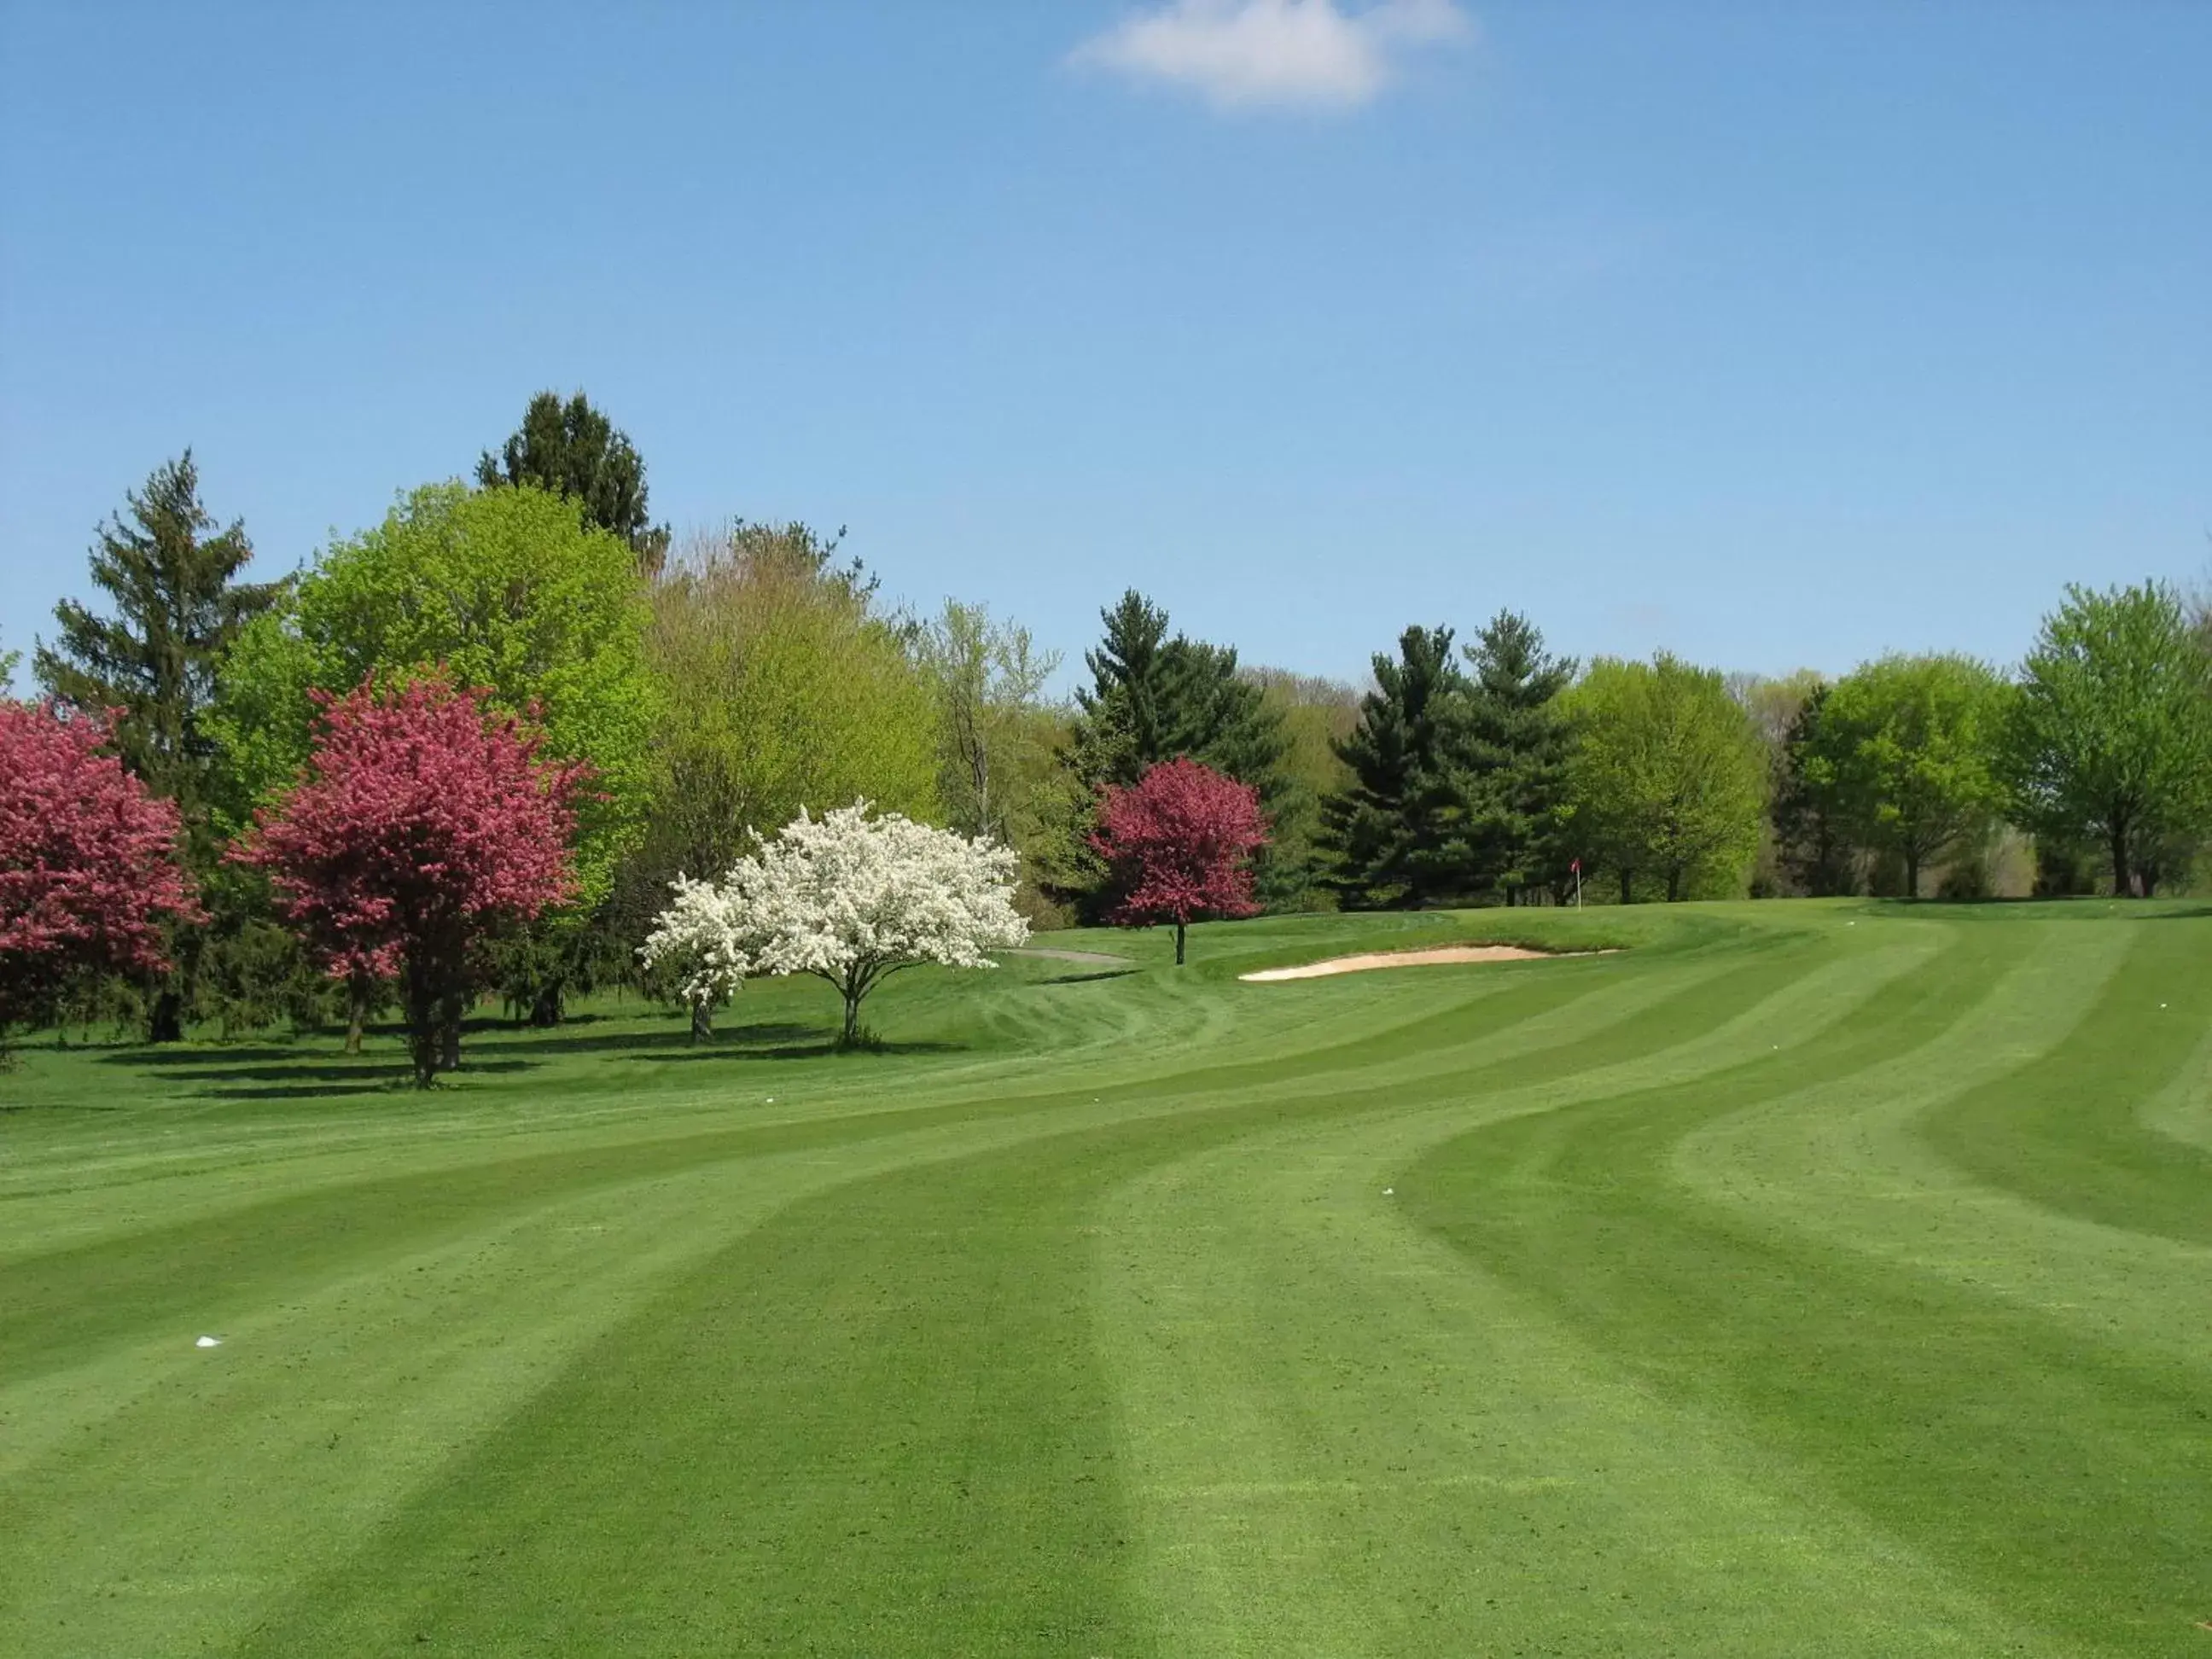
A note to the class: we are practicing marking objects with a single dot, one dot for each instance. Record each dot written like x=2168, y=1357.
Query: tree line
x=722, y=683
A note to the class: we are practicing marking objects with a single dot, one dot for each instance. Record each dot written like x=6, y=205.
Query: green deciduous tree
x=510, y=590
x=2110, y=735
x=571, y=450
x=994, y=731
x=785, y=690
x=998, y=739
x=1390, y=835
x=1665, y=778
x=1314, y=714
x=1912, y=745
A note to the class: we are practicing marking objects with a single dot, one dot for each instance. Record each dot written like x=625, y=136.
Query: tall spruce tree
x=1813, y=837
x=1119, y=728
x=1510, y=761
x=1155, y=697
x=1220, y=715
x=1390, y=837
x=171, y=577
x=572, y=450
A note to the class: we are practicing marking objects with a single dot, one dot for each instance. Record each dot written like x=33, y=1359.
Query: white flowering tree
x=847, y=898
x=700, y=936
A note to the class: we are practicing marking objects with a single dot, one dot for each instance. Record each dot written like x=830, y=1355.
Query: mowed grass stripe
x=203, y=1271
x=960, y=1291
x=1844, y=1158
x=893, y=1384
x=2066, y=1481
x=1302, y=1378
x=1342, y=1441
x=2068, y=1132
x=167, y=1495
x=209, y=1444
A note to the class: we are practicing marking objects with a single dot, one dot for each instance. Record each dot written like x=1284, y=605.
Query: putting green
x=1806, y=1279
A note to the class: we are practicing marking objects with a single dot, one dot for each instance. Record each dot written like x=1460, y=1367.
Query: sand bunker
x=1416, y=959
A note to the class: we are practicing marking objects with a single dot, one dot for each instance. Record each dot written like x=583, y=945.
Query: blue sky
x=1769, y=335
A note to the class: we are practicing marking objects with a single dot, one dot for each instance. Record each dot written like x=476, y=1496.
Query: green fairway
x=1806, y=1279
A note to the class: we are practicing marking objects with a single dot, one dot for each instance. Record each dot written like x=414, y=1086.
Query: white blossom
x=698, y=934
x=847, y=898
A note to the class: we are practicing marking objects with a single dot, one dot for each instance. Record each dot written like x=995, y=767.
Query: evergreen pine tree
x=571, y=450
x=177, y=608
x=1220, y=716
x=1120, y=729
x=1390, y=835
x=1154, y=697
x=1510, y=762
x=1811, y=824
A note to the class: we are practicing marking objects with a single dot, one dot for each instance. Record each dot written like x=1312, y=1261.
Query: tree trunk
x=358, y=987
x=1912, y=873
x=422, y=1024
x=852, y=1017
x=702, y=1022
x=164, y=1020
x=453, y=1007
x=2121, y=886
x=1179, y=930
x=549, y=1003
x=1627, y=889
x=1674, y=883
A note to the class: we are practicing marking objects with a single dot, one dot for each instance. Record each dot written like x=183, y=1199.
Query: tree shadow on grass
x=821, y=1047
x=321, y=1082
x=198, y=1054
x=7, y=1106
x=335, y=1073
x=676, y=1035
x=2091, y=908
x=395, y=1082
x=289, y=1074
x=1086, y=979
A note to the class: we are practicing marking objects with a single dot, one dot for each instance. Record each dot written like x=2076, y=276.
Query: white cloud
x=1246, y=53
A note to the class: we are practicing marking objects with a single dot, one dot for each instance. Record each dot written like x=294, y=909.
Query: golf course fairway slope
x=1793, y=1278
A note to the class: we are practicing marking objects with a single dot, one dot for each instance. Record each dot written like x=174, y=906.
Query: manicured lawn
x=1809, y=1279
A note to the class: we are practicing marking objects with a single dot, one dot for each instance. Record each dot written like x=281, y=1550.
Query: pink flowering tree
x=422, y=826
x=89, y=872
x=1179, y=842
